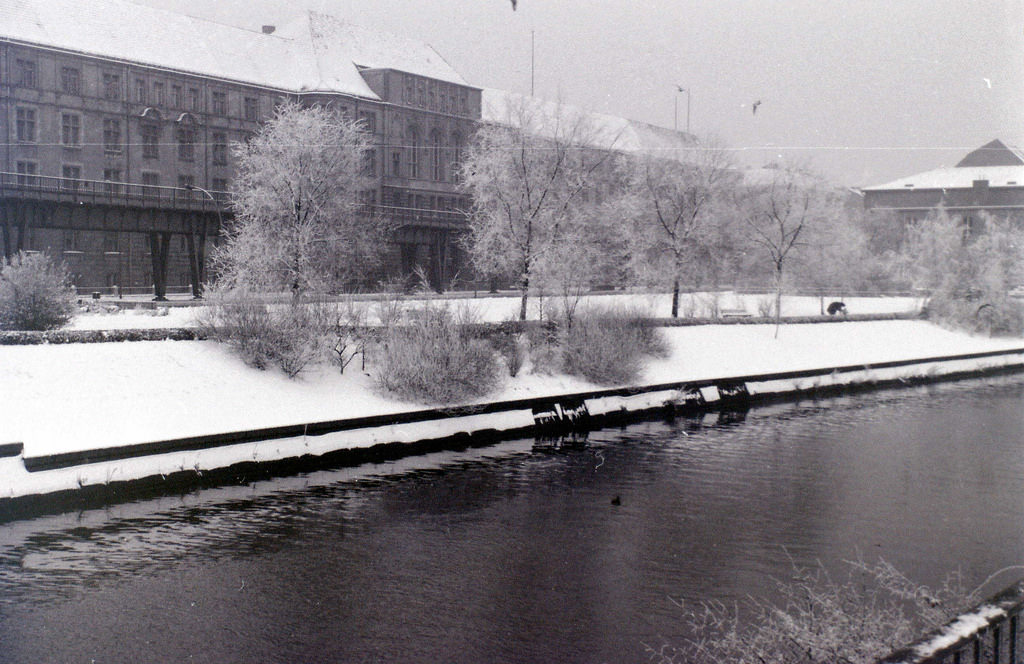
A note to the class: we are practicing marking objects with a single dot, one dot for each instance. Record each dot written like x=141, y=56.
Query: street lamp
x=197, y=262
x=676, y=114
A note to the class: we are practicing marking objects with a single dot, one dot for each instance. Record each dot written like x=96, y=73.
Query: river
x=518, y=552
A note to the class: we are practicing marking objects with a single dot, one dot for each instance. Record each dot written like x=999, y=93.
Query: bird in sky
x=755, y=105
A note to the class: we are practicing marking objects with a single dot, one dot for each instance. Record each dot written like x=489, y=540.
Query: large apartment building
x=118, y=121
x=117, y=134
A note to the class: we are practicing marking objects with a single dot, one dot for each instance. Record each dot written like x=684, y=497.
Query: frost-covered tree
x=35, y=293
x=780, y=216
x=299, y=224
x=675, y=202
x=528, y=177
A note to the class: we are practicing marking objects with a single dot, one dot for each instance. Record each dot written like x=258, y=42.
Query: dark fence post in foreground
x=989, y=633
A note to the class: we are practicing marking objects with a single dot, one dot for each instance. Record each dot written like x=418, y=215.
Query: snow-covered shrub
x=818, y=620
x=291, y=335
x=766, y=306
x=35, y=293
x=994, y=314
x=607, y=346
x=436, y=358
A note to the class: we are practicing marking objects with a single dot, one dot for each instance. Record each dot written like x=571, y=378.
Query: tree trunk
x=675, y=298
x=778, y=299
x=526, y=292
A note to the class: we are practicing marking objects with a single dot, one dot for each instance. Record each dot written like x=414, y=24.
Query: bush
x=436, y=358
x=291, y=335
x=977, y=312
x=35, y=293
x=819, y=620
x=607, y=346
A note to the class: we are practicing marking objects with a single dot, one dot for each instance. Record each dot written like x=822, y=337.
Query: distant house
x=987, y=180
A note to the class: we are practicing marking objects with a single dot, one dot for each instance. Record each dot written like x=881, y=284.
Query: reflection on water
x=516, y=552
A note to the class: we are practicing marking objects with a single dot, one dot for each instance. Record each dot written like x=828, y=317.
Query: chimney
x=268, y=29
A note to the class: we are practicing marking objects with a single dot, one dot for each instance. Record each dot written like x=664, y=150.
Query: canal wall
x=30, y=483
x=988, y=633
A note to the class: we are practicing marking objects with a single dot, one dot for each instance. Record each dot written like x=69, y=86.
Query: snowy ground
x=506, y=308
x=57, y=398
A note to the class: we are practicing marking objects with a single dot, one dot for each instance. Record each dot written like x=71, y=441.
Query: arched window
x=456, y=156
x=412, y=146
x=437, y=156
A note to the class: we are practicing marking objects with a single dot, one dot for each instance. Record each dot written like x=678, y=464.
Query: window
x=176, y=96
x=71, y=177
x=396, y=163
x=25, y=73
x=193, y=99
x=150, y=141
x=410, y=90
x=111, y=86
x=369, y=120
x=456, y=156
x=140, y=91
x=186, y=142
x=219, y=184
x=70, y=80
x=370, y=163
x=251, y=108
x=70, y=240
x=421, y=93
x=185, y=181
x=412, y=139
x=111, y=135
x=219, y=102
x=110, y=244
x=26, y=170
x=150, y=178
x=25, y=125
x=112, y=180
x=158, y=93
x=70, y=130
x=219, y=149
x=436, y=156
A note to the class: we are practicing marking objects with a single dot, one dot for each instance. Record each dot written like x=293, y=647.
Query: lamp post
x=675, y=125
x=197, y=258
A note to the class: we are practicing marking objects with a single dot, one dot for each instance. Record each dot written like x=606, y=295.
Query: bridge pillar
x=159, y=243
x=12, y=224
x=196, y=250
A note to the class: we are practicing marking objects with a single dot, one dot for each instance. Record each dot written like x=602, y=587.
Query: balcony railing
x=106, y=192
x=421, y=216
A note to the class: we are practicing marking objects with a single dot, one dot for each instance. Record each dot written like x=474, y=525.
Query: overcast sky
x=864, y=90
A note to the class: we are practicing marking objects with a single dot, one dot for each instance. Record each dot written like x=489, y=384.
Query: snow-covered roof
x=957, y=177
x=314, y=53
x=548, y=118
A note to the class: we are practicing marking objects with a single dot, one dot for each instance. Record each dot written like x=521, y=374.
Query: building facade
x=117, y=154
x=989, y=180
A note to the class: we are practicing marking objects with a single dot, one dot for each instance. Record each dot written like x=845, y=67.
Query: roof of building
x=315, y=53
x=549, y=118
x=995, y=162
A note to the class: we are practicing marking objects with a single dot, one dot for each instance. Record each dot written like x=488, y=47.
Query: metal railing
x=107, y=192
x=989, y=633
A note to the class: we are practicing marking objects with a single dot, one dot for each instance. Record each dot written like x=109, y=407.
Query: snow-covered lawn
x=57, y=398
x=505, y=308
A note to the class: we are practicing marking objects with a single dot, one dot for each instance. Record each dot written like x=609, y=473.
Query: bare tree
x=672, y=200
x=299, y=224
x=780, y=214
x=527, y=177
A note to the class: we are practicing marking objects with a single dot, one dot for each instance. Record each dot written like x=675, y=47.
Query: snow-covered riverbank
x=61, y=398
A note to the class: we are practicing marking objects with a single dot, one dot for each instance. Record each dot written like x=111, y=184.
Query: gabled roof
x=995, y=153
x=314, y=53
x=1000, y=165
x=608, y=131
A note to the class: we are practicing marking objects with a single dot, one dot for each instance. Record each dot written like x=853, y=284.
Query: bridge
x=41, y=201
